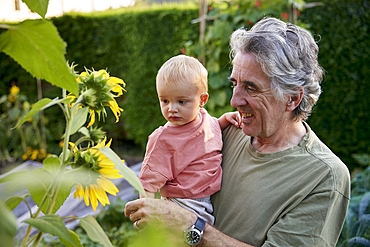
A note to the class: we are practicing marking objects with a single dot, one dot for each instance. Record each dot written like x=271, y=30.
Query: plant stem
x=24, y=243
x=38, y=238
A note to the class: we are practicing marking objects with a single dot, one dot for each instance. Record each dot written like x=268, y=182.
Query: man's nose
x=237, y=99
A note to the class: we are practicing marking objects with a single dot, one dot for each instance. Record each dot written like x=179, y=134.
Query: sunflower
x=100, y=169
x=100, y=90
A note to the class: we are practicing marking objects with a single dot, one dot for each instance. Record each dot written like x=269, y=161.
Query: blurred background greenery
x=134, y=42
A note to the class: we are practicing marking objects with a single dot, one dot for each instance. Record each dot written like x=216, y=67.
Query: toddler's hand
x=234, y=118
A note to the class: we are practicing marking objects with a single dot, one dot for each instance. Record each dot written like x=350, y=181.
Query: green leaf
x=14, y=182
x=38, y=184
x=39, y=106
x=8, y=226
x=53, y=225
x=94, y=231
x=14, y=201
x=79, y=119
x=14, y=176
x=37, y=46
x=52, y=164
x=75, y=237
x=84, y=131
x=38, y=6
x=129, y=175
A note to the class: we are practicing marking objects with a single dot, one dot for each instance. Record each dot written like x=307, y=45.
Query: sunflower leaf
x=76, y=240
x=14, y=201
x=8, y=226
x=38, y=6
x=52, y=164
x=14, y=176
x=53, y=225
x=38, y=184
x=94, y=231
x=37, y=46
x=129, y=175
x=39, y=106
x=78, y=120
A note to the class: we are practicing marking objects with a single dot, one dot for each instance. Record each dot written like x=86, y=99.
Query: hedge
x=132, y=45
x=341, y=117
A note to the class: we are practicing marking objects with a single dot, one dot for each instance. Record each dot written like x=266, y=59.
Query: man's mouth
x=246, y=115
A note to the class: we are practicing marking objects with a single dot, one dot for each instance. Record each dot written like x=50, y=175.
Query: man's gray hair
x=288, y=55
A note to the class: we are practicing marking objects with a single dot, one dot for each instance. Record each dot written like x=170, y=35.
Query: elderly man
x=281, y=185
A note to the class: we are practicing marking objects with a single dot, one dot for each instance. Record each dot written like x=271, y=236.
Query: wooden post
x=42, y=118
x=202, y=28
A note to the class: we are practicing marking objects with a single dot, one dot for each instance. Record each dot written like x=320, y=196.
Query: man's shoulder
x=335, y=166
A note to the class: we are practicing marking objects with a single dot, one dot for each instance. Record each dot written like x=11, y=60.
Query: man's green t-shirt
x=296, y=197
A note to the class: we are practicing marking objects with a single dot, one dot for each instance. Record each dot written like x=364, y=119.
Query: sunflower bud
x=90, y=99
x=96, y=134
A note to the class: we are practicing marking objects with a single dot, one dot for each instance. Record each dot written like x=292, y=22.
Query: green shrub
x=356, y=229
x=133, y=45
x=341, y=116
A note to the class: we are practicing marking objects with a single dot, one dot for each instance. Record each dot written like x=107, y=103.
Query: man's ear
x=203, y=99
x=295, y=100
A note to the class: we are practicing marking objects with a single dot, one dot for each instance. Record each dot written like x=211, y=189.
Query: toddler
x=183, y=157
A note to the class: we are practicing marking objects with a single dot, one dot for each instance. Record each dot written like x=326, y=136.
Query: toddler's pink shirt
x=184, y=161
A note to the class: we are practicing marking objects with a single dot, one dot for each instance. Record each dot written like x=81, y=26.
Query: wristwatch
x=193, y=235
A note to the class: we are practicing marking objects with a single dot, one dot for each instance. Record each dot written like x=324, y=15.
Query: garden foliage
x=356, y=229
x=341, y=117
x=134, y=44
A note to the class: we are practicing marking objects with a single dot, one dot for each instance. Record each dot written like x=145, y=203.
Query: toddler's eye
x=182, y=102
x=165, y=101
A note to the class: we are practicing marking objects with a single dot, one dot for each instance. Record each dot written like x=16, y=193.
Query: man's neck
x=288, y=137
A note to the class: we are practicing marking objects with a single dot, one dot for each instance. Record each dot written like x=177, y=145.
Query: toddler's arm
x=229, y=118
x=150, y=195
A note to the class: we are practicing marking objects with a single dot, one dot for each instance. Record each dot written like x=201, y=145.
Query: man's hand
x=172, y=218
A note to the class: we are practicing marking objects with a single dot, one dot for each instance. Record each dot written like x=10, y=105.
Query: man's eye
x=250, y=89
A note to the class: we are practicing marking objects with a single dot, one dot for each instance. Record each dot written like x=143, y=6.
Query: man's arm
x=176, y=219
x=214, y=238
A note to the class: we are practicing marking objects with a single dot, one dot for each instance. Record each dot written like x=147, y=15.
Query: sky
x=57, y=8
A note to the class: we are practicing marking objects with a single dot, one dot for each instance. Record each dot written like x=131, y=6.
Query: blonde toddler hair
x=184, y=69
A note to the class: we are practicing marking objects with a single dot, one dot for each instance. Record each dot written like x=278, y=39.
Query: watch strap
x=199, y=224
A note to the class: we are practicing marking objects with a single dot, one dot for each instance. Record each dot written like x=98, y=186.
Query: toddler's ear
x=203, y=99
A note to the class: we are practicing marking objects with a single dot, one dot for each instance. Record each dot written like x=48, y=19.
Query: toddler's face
x=179, y=103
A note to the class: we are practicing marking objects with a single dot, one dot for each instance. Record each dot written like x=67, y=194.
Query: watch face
x=192, y=237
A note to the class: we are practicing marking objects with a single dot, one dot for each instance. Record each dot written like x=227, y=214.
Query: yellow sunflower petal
x=93, y=198
x=85, y=195
x=78, y=192
x=100, y=72
x=108, y=144
x=110, y=173
x=108, y=186
x=115, y=80
x=102, y=196
x=106, y=163
x=72, y=145
x=115, y=109
x=92, y=119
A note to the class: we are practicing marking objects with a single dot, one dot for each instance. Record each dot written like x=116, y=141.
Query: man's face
x=261, y=113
